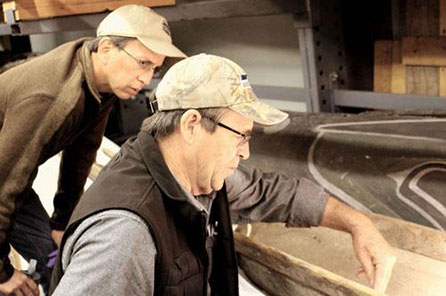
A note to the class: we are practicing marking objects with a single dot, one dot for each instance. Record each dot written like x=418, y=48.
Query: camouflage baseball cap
x=207, y=81
x=142, y=23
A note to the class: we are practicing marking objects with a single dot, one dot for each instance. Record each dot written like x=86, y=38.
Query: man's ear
x=190, y=125
x=105, y=47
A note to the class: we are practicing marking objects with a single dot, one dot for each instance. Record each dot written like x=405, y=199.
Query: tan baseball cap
x=143, y=23
x=206, y=81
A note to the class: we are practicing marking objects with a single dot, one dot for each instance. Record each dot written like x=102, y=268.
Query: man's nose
x=146, y=77
x=243, y=151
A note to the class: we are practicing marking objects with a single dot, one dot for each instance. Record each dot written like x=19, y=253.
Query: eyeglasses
x=245, y=137
x=147, y=66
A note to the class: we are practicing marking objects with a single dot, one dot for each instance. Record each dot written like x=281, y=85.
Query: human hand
x=376, y=256
x=20, y=285
x=57, y=237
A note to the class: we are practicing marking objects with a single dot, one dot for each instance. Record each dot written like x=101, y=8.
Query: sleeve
x=255, y=196
x=77, y=159
x=111, y=253
x=20, y=148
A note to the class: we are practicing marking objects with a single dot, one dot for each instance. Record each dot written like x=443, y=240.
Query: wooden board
x=30, y=10
x=389, y=72
x=398, y=81
x=442, y=32
x=424, y=51
x=382, y=71
x=321, y=250
x=422, y=19
x=280, y=273
x=422, y=80
x=411, y=237
x=442, y=82
x=442, y=21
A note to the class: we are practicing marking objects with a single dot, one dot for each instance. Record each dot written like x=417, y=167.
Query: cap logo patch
x=244, y=80
x=166, y=28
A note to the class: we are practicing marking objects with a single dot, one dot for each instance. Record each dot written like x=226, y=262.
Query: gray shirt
x=113, y=253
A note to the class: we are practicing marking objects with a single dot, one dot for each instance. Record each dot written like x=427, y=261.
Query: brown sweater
x=47, y=105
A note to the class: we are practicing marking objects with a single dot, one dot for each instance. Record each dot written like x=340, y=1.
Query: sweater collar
x=158, y=168
x=87, y=65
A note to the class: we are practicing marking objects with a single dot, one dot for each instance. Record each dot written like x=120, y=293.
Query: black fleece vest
x=138, y=180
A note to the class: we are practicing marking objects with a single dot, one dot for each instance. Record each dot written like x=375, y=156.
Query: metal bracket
x=322, y=51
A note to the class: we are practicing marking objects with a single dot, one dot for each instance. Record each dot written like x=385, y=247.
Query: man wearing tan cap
x=157, y=221
x=60, y=101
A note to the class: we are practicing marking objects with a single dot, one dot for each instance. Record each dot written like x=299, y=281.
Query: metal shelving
x=184, y=10
x=319, y=28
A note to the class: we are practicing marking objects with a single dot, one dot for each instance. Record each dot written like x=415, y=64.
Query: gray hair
x=164, y=123
x=117, y=41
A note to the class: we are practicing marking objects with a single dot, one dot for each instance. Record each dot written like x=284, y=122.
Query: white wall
x=266, y=47
x=44, y=42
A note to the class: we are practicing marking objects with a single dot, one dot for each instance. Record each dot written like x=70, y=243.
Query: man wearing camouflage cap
x=60, y=101
x=157, y=221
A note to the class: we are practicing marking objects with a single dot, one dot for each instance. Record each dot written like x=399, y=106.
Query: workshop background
x=364, y=82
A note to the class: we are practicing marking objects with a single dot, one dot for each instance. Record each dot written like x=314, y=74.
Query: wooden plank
x=332, y=250
x=422, y=17
x=29, y=10
x=442, y=20
x=382, y=69
x=283, y=267
x=422, y=80
x=442, y=82
x=33, y=3
x=411, y=237
x=389, y=72
x=424, y=51
x=442, y=32
x=398, y=78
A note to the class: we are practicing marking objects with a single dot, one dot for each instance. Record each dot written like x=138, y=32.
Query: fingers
x=28, y=288
x=32, y=287
x=368, y=267
x=383, y=273
x=20, y=285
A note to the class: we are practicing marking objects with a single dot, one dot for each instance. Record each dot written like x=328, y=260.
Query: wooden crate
x=412, y=65
x=40, y=9
x=416, y=64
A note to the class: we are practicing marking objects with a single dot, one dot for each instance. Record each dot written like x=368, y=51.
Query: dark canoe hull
x=384, y=162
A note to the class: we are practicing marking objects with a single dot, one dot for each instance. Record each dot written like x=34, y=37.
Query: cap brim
x=162, y=47
x=260, y=112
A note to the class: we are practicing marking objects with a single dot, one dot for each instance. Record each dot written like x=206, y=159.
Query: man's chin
x=218, y=186
x=124, y=96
